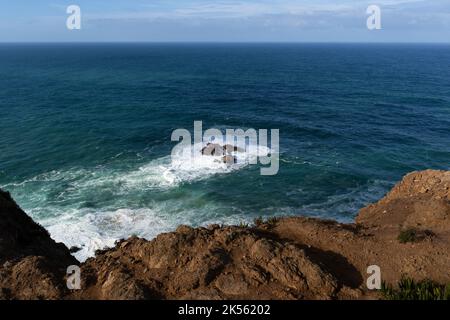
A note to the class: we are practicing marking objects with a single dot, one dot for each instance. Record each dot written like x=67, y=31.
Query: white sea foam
x=100, y=229
x=187, y=165
x=92, y=228
x=60, y=199
x=92, y=208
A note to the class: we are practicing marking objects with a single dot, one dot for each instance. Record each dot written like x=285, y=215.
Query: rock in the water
x=229, y=159
x=230, y=148
x=213, y=149
x=74, y=249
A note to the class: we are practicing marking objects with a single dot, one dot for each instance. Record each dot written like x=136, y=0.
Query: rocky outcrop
x=420, y=200
x=214, y=263
x=287, y=258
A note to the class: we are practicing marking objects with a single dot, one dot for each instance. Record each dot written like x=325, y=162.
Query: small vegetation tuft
x=271, y=221
x=243, y=224
x=258, y=221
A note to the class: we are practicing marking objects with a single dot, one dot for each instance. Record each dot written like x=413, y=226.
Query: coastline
x=285, y=258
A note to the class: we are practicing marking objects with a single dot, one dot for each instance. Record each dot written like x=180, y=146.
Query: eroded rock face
x=228, y=262
x=290, y=258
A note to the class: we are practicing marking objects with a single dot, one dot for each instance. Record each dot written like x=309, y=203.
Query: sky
x=225, y=21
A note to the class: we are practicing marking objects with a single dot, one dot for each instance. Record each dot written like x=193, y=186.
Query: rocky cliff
x=405, y=233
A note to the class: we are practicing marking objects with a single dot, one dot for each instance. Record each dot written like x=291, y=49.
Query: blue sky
x=226, y=20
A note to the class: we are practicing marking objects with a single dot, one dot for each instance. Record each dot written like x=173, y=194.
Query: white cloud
x=257, y=20
x=246, y=9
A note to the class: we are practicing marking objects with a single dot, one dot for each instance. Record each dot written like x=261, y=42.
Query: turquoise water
x=85, y=130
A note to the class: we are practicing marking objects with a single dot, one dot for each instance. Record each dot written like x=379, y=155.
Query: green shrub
x=408, y=289
x=414, y=235
x=408, y=235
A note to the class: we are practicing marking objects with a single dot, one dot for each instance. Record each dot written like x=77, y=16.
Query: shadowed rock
x=32, y=265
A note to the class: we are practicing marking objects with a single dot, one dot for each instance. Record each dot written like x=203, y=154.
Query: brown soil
x=288, y=258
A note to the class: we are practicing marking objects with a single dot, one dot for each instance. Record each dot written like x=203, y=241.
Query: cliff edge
x=407, y=233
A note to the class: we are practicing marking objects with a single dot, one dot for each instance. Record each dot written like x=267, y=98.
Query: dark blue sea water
x=85, y=130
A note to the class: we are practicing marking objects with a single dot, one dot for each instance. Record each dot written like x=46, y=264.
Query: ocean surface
x=85, y=131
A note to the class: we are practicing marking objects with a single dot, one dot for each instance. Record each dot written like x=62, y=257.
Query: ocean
x=85, y=131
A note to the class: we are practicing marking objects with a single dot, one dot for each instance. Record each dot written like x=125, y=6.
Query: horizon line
x=221, y=42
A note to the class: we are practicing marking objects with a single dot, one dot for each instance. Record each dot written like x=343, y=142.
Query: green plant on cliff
x=258, y=221
x=243, y=224
x=414, y=235
x=272, y=221
x=408, y=289
x=408, y=235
